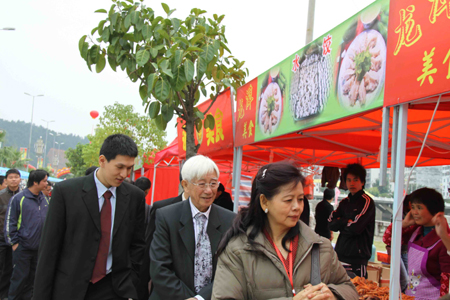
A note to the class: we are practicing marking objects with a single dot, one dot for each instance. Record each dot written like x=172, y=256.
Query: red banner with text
x=245, y=113
x=418, y=51
x=221, y=137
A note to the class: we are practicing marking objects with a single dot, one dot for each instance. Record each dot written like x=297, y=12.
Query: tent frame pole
x=237, y=177
x=154, y=178
x=394, y=286
x=384, y=145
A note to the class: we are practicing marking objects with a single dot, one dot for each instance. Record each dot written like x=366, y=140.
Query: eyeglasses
x=203, y=185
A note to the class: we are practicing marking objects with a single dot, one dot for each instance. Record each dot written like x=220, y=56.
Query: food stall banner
x=337, y=75
x=221, y=137
x=418, y=58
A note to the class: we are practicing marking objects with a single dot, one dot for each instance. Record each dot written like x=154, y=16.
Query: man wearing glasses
x=187, y=235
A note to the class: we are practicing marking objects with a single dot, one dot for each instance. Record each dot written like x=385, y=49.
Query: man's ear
x=102, y=161
x=184, y=184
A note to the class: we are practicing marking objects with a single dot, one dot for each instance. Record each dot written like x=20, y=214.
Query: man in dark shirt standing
x=323, y=210
x=12, y=180
x=223, y=198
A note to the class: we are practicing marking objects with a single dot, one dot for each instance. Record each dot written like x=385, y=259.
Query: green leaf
x=100, y=27
x=140, y=24
x=168, y=72
x=101, y=11
x=208, y=53
x=165, y=7
x=209, y=122
x=201, y=65
x=196, y=38
x=127, y=21
x=164, y=34
x=178, y=57
x=105, y=35
x=216, y=45
x=134, y=17
x=162, y=89
x=112, y=63
x=153, y=52
x=84, y=50
x=203, y=91
x=176, y=23
x=151, y=81
x=179, y=79
x=143, y=92
x=160, y=123
x=101, y=63
x=114, y=19
x=93, y=54
x=81, y=43
x=147, y=31
x=167, y=113
x=198, y=124
x=142, y=57
x=154, y=109
x=189, y=70
x=199, y=114
x=194, y=49
x=182, y=39
x=225, y=47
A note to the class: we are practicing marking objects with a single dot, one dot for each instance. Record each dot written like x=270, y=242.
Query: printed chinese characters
x=427, y=68
x=405, y=29
x=437, y=8
x=326, y=45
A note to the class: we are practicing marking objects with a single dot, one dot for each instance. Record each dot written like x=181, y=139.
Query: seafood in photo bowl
x=270, y=108
x=361, y=75
x=310, y=86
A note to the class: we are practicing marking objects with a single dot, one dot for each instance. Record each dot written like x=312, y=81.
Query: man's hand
x=440, y=225
x=14, y=247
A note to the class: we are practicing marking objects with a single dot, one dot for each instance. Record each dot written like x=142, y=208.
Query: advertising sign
x=23, y=153
x=418, y=50
x=221, y=137
x=341, y=73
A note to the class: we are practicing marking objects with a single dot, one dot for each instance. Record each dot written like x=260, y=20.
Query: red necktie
x=103, y=249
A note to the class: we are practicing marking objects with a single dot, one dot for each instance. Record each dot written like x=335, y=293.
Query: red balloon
x=94, y=114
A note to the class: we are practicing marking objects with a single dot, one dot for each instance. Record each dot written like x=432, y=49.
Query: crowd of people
x=96, y=238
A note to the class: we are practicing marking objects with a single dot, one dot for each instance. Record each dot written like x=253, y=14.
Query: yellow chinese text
x=405, y=29
x=427, y=70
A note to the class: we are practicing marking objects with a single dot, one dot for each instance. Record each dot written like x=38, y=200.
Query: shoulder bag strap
x=315, y=265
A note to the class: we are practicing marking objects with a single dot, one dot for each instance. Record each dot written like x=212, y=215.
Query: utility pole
x=31, y=126
x=46, y=137
x=310, y=22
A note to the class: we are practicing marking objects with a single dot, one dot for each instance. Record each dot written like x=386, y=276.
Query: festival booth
x=323, y=105
x=418, y=74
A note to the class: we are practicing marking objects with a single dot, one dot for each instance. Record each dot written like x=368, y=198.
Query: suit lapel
x=121, y=206
x=213, y=229
x=90, y=199
x=187, y=229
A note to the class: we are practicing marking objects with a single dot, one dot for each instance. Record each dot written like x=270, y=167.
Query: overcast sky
x=41, y=56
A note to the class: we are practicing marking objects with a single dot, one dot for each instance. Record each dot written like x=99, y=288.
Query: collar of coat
x=307, y=238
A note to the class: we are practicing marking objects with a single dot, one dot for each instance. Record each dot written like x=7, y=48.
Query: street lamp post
x=31, y=125
x=46, y=137
x=54, y=141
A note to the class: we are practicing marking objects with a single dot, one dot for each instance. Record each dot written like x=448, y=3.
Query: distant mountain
x=18, y=135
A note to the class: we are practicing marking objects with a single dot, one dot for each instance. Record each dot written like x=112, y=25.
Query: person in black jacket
x=355, y=220
x=223, y=198
x=323, y=211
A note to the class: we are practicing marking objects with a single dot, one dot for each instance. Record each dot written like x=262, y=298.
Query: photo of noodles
x=361, y=76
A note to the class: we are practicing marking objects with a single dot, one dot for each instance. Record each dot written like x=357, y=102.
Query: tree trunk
x=191, y=148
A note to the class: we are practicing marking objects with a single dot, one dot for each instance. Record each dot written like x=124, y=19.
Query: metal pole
x=153, y=184
x=384, y=145
x=394, y=286
x=31, y=126
x=31, y=131
x=237, y=176
x=394, y=143
x=310, y=22
x=46, y=138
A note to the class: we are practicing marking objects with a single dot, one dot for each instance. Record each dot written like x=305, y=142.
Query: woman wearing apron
x=428, y=261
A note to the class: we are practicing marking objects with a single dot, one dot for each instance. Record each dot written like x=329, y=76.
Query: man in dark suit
x=323, y=211
x=182, y=253
x=93, y=238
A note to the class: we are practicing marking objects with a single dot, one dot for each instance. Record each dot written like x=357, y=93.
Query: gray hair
x=198, y=166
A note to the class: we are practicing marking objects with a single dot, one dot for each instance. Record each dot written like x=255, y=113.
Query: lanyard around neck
x=289, y=270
